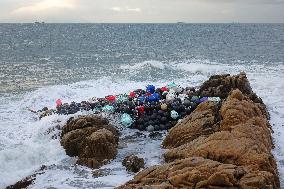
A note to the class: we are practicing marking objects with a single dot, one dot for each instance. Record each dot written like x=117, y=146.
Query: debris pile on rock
x=152, y=109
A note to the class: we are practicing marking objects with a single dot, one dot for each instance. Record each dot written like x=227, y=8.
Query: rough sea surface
x=42, y=62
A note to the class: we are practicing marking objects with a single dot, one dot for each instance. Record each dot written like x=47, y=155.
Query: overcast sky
x=142, y=10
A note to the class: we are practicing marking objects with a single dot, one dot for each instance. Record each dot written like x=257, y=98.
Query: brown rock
x=222, y=85
x=91, y=138
x=133, y=163
x=244, y=138
x=196, y=172
x=235, y=152
x=201, y=122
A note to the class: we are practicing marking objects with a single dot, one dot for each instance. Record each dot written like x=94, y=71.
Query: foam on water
x=26, y=143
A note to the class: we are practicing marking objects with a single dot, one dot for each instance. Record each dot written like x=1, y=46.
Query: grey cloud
x=144, y=11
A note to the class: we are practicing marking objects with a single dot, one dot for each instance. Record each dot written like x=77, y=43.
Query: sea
x=42, y=62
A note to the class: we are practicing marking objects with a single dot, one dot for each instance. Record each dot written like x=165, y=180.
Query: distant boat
x=181, y=23
x=38, y=23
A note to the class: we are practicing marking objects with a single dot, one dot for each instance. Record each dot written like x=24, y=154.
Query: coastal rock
x=26, y=182
x=197, y=172
x=133, y=163
x=91, y=138
x=244, y=138
x=217, y=147
x=204, y=120
x=222, y=85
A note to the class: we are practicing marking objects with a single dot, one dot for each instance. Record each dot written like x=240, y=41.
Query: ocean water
x=42, y=62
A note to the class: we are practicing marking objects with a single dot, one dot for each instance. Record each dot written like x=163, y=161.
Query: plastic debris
x=108, y=109
x=150, y=88
x=163, y=89
x=164, y=107
x=171, y=85
x=170, y=96
x=214, y=99
x=121, y=98
x=126, y=120
x=150, y=109
x=111, y=98
x=174, y=114
x=132, y=94
x=203, y=99
x=58, y=102
x=194, y=99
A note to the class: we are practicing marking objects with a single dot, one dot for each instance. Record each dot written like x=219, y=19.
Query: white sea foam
x=25, y=144
x=143, y=65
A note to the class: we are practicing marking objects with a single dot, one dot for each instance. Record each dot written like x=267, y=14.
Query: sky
x=142, y=11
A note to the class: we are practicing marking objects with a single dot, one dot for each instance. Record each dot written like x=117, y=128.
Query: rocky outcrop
x=218, y=147
x=197, y=172
x=203, y=121
x=91, y=138
x=133, y=163
x=222, y=85
x=28, y=181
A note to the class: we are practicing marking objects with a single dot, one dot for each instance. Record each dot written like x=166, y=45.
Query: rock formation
x=224, y=145
x=203, y=121
x=222, y=85
x=133, y=163
x=29, y=180
x=91, y=138
x=197, y=172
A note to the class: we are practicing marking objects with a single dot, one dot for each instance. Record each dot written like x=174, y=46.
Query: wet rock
x=155, y=135
x=26, y=182
x=134, y=137
x=91, y=138
x=133, y=163
x=101, y=172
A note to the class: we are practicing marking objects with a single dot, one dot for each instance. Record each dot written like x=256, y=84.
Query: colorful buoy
x=174, y=114
x=126, y=120
x=58, y=102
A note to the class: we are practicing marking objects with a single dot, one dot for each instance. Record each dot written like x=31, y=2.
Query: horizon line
x=178, y=22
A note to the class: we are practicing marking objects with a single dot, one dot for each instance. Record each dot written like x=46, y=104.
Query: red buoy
x=163, y=89
x=132, y=94
x=111, y=98
x=58, y=102
x=140, y=109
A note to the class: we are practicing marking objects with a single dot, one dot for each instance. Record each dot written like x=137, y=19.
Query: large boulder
x=244, y=138
x=91, y=138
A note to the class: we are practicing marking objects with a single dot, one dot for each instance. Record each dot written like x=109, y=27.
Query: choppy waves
x=27, y=143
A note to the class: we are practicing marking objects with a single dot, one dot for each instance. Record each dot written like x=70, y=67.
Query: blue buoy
x=150, y=89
